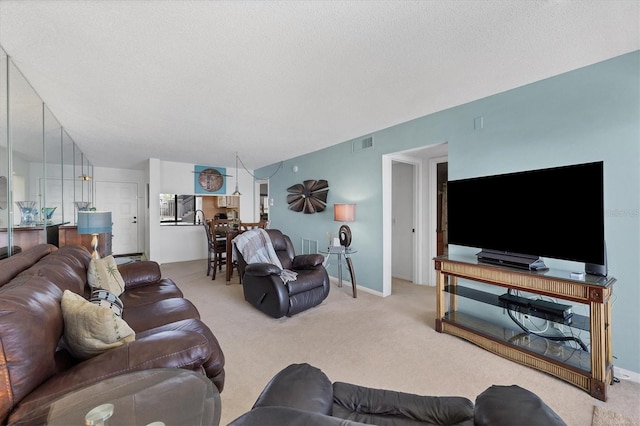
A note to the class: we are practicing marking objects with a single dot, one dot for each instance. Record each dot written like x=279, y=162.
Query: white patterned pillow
x=90, y=329
x=107, y=299
x=103, y=273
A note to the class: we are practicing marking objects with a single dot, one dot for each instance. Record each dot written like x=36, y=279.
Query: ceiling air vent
x=362, y=144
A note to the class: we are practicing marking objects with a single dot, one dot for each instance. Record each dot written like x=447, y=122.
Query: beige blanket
x=255, y=247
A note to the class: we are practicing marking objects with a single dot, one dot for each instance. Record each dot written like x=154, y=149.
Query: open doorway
x=261, y=201
x=427, y=219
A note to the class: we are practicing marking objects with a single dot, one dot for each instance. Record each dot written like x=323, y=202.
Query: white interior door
x=121, y=199
x=402, y=222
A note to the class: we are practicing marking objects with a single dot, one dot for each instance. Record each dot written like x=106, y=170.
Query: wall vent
x=362, y=144
x=309, y=246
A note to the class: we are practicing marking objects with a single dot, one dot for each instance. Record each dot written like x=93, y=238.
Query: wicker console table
x=589, y=369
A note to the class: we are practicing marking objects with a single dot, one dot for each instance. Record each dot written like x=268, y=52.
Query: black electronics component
x=521, y=261
x=512, y=299
x=538, y=307
x=556, y=309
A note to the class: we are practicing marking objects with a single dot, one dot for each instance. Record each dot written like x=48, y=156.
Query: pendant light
x=236, y=192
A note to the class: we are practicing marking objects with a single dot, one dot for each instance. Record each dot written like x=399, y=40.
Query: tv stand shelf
x=576, y=321
x=589, y=370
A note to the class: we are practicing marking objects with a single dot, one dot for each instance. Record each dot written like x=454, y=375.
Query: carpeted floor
x=604, y=417
x=387, y=343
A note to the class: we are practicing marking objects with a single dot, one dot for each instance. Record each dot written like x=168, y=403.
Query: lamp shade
x=344, y=212
x=94, y=222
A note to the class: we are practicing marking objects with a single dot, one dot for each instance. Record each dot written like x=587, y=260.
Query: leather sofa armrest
x=299, y=386
x=513, y=405
x=166, y=349
x=307, y=261
x=262, y=269
x=137, y=274
x=367, y=405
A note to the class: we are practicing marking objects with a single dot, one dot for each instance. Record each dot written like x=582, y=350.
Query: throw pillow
x=90, y=329
x=107, y=299
x=103, y=273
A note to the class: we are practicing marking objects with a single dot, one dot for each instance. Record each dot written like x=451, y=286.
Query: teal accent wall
x=589, y=114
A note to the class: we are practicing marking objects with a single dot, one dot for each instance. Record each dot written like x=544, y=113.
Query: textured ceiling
x=196, y=81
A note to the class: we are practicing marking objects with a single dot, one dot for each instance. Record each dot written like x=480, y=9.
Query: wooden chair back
x=217, y=247
x=245, y=226
x=221, y=223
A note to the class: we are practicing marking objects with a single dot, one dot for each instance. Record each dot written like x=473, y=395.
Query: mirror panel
x=4, y=154
x=87, y=181
x=26, y=132
x=51, y=211
x=68, y=179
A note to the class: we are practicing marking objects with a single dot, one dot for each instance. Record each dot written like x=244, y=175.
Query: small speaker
x=595, y=269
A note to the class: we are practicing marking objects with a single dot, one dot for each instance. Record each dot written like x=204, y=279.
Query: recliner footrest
x=386, y=407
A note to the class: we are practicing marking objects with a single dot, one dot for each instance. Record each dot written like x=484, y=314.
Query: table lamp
x=344, y=213
x=94, y=223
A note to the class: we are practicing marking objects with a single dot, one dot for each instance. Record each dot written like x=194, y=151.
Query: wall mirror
x=51, y=183
x=27, y=129
x=3, y=193
x=42, y=171
x=4, y=154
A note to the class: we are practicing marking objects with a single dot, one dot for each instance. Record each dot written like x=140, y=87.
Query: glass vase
x=28, y=213
x=47, y=213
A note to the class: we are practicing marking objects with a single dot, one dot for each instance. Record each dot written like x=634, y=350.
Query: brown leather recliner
x=265, y=290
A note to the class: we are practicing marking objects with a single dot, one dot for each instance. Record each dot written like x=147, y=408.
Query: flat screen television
x=555, y=212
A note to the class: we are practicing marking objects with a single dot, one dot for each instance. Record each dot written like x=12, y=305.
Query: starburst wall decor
x=308, y=197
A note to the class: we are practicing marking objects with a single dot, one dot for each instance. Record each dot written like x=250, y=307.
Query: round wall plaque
x=210, y=180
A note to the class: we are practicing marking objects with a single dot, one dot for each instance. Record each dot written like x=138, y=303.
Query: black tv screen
x=556, y=212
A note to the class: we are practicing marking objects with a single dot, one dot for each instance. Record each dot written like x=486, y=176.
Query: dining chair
x=217, y=248
x=245, y=226
x=206, y=225
x=222, y=223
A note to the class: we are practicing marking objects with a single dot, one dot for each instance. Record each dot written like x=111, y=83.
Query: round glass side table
x=162, y=396
x=343, y=253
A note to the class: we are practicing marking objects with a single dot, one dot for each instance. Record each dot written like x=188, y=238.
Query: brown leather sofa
x=265, y=290
x=35, y=369
x=301, y=394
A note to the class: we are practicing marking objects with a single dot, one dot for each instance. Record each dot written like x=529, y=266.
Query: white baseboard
x=623, y=374
x=334, y=281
